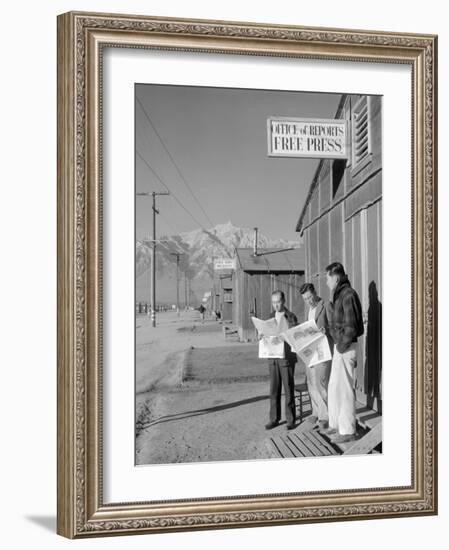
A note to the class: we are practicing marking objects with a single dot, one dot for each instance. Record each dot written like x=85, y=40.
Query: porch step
x=366, y=443
x=301, y=443
x=366, y=417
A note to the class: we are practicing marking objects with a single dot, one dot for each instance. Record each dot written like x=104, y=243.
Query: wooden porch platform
x=305, y=441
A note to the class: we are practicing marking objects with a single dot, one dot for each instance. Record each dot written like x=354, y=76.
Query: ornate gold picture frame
x=82, y=38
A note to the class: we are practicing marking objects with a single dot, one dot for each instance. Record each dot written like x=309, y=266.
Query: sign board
x=224, y=263
x=206, y=296
x=307, y=138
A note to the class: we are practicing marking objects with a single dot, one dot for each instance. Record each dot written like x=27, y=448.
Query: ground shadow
x=46, y=522
x=208, y=410
x=373, y=354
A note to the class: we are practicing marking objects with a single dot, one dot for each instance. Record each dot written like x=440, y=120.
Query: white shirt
x=312, y=311
x=281, y=320
x=278, y=315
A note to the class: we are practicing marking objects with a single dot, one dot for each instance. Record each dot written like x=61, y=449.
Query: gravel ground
x=199, y=398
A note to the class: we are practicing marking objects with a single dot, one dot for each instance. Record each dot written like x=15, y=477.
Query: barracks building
x=341, y=220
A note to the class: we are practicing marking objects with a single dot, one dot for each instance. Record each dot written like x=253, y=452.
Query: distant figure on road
x=282, y=371
x=202, y=311
x=318, y=375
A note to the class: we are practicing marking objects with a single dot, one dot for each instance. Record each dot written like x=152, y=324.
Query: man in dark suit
x=282, y=371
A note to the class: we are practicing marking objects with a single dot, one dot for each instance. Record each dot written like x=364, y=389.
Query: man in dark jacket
x=282, y=371
x=346, y=325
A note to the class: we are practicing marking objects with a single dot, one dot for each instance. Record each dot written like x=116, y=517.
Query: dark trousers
x=282, y=376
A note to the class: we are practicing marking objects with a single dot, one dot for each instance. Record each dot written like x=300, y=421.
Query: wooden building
x=342, y=221
x=255, y=278
x=222, y=294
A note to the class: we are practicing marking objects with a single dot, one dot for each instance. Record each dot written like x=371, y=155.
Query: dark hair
x=307, y=287
x=279, y=293
x=336, y=268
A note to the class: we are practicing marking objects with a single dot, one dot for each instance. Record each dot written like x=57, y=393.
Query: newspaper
x=318, y=352
x=306, y=340
x=309, y=343
x=271, y=344
x=271, y=347
x=266, y=328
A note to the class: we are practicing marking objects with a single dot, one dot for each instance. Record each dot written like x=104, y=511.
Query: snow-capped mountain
x=197, y=249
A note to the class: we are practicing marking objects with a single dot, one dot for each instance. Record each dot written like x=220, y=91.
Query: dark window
x=338, y=169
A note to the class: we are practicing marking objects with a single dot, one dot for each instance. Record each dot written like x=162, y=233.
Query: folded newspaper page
x=271, y=345
x=266, y=328
x=309, y=343
x=306, y=340
x=317, y=352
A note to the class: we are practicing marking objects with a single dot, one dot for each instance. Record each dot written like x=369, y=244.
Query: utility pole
x=177, y=254
x=153, y=254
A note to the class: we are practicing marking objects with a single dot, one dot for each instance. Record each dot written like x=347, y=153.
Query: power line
x=170, y=241
x=165, y=246
x=181, y=250
x=162, y=243
x=185, y=181
x=156, y=175
x=149, y=265
x=173, y=234
x=173, y=161
x=154, y=195
x=168, y=230
x=181, y=176
x=169, y=226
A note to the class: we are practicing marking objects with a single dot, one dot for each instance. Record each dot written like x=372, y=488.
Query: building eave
x=313, y=184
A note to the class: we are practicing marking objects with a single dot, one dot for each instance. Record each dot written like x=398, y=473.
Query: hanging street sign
x=307, y=138
x=224, y=263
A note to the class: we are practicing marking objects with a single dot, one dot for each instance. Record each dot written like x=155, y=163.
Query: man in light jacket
x=318, y=375
x=346, y=325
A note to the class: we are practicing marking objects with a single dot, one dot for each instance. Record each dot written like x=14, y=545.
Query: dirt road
x=199, y=397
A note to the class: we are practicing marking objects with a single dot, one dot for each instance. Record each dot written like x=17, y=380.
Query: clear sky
x=218, y=139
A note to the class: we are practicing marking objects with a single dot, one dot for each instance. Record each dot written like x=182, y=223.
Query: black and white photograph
x=221, y=226
x=258, y=274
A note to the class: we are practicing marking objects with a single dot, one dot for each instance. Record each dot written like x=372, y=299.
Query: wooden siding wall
x=343, y=223
x=225, y=307
x=252, y=296
x=223, y=282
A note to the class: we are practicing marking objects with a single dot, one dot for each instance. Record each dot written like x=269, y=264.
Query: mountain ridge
x=197, y=249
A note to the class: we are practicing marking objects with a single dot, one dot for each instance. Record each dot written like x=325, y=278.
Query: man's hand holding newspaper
x=271, y=343
x=306, y=340
x=309, y=342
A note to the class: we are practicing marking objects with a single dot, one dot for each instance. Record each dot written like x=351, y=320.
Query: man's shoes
x=291, y=426
x=271, y=425
x=339, y=438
